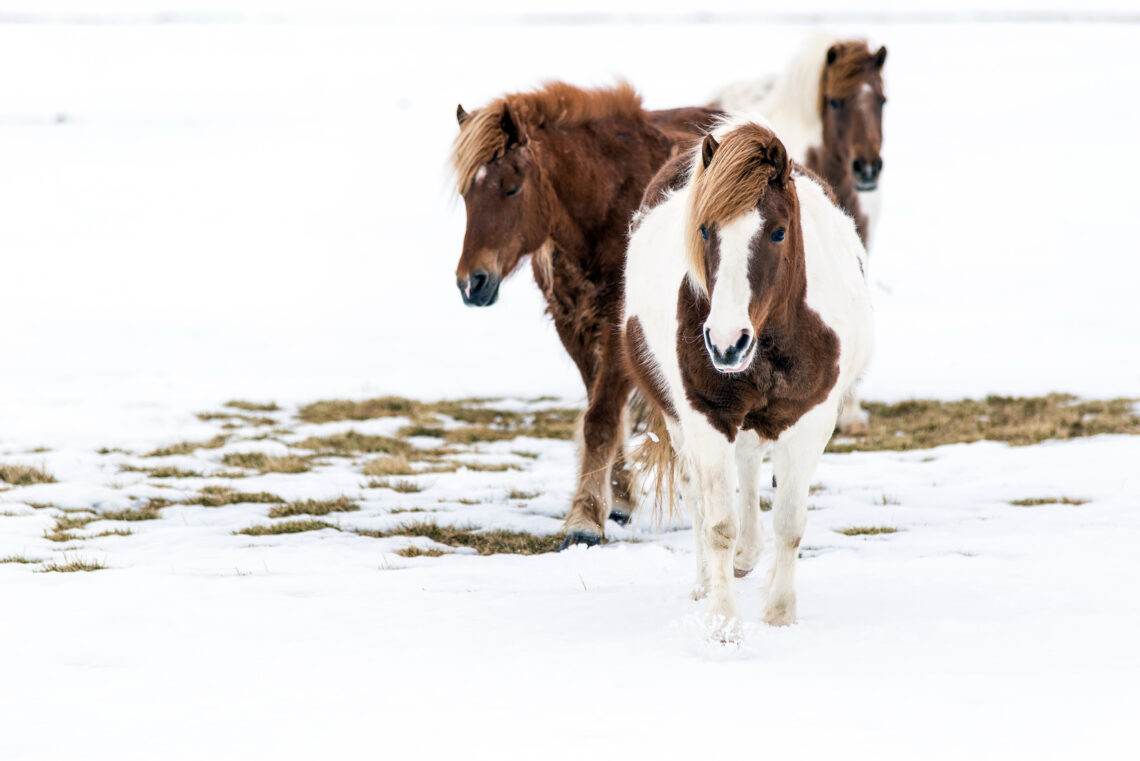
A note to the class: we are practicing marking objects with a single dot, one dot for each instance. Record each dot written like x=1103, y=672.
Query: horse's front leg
x=601, y=436
x=713, y=467
x=794, y=459
x=750, y=449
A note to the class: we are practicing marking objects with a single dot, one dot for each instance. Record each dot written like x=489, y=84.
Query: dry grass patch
x=151, y=511
x=520, y=494
x=165, y=471
x=264, y=463
x=220, y=496
x=394, y=465
x=73, y=565
x=231, y=419
x=188, y=447
x=243, y=405
x=412, y=551
x=486, y=542
x=352, y=442
x=921, y=424
x=488, y=467
x=344, y=409
x=867, y=530
x=19, y=559
x=420, y=429
x=25, y=475
x=401, y=485
x=287, y=527
x=1037, y=501
x=314, y=507
x=111, y=532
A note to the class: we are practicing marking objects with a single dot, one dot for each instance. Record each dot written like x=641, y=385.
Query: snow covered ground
x=197, y=212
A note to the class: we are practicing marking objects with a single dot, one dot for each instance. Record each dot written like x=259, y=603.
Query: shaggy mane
x=554, y=105
x=734, y=181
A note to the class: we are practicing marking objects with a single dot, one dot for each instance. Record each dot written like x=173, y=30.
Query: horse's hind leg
x=601, y=436
x=750, y=449
x=794, y=459
x=621, y=479
x=853, y=419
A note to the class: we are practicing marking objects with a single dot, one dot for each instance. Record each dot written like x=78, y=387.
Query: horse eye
x=514, y=190
x=833, y=102
x=778, y=235
x=704, y=232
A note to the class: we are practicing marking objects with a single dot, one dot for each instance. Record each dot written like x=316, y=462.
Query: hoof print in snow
x=587, y=538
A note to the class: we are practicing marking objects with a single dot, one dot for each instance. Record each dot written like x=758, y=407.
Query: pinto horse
x=746, y=321
x=557, y=174
x=827, y=108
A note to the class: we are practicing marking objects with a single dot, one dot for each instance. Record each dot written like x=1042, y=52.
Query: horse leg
x=750, y=449
x=853, y=419
x=711, y=456
x=601, y=434
x=691, y=496
x=622, y=481
x=794, y=459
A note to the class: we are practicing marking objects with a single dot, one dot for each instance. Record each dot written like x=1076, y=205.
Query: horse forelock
x=555, y=105
x=735, y=181
x=853, y=67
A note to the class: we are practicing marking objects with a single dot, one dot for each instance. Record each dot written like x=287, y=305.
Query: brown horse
x=557, y=174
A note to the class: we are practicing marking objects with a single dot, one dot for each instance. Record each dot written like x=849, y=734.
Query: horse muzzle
x=865, y=174
x=734, y=357
x=480, y=289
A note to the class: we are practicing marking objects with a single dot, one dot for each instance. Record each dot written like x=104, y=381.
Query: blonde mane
x=734, y=182
x=555, y=105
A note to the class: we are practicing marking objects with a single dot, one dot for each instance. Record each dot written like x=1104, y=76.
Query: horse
x=746, y=321
x=557, y=174
x=827, y=108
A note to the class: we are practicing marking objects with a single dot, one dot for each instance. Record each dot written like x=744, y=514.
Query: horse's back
x=684, y=126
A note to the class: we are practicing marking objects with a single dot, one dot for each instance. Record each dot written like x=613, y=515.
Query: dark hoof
x=739, y=573
x=620, y=517
x=588, y=538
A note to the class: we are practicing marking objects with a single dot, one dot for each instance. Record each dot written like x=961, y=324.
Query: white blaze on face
x=731, y=290
x=481, y=174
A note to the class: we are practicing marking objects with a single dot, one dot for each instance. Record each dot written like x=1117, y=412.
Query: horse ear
x=507, y=124
x=881, y=57
x=461, y=115
x=777, y=155
x=708, y=150
x=832, y=54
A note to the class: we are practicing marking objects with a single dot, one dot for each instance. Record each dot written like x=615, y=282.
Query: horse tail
x=653, y=461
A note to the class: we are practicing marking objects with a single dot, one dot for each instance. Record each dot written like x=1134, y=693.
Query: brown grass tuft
x=351, y=442
x=1037, y=501
x=412, y=551
x=264, y=463
x=401, y=485
x=866, y=530
x=22, y=559
x=921, y=424
x=241, y=404
x=25, y=475
x=287, y=527
x=188, y=447
x=220, y=496
x=397, y=465
x=485, y=542
x=71, y=566
x=314, y=507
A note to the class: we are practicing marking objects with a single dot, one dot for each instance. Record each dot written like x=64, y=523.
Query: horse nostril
x=857, y=166
x=478, y=280
x=743, y=342
x=877, y=166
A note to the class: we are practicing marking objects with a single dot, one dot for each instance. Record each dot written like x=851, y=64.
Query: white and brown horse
x=827, y=108
x=746, y=322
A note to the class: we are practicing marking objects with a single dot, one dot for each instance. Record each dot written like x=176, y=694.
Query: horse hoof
x=739, y=573
x=588, y=538
x=620, y=517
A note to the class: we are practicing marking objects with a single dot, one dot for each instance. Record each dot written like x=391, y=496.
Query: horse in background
x=557, y=174
x=827, y=109
x=746, y=322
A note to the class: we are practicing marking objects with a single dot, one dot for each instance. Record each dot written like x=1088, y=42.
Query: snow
x=200, y=212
